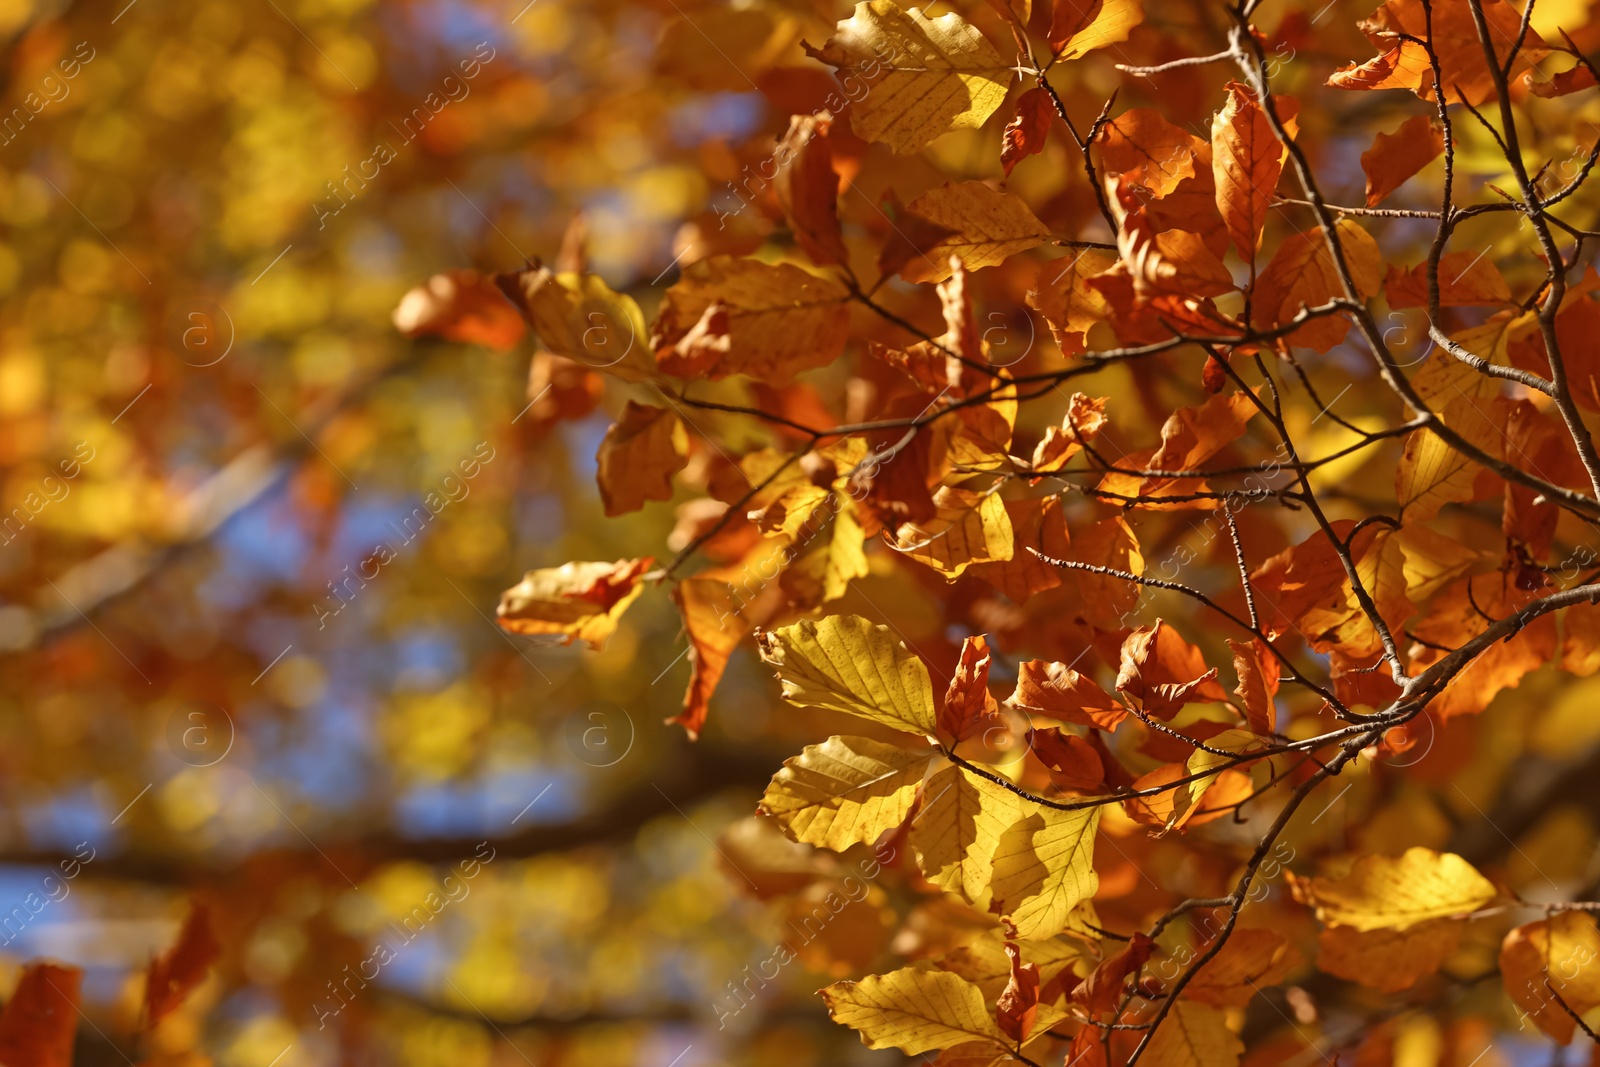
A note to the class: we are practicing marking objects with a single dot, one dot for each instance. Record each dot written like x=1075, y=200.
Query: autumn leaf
x=1194, y=1035
x=41, y=1018
x=1250, y=960
x=460, y=305
x=579, y=317
x=987, y=226
x=1258, y=670
x=957, y=829
x=1037, y=527
x=845, y=663
x=1303, y=274
x=638, y=456
x=845, y=791
x=1057, y=691
x=1395, y=893
x=1084, y=419
x=1042, y=868
x=1551, y=957
x=968, y=526
x=969, y=708
x=742, y=316
x=1143, y=148
x=808, y=188
x=1101, y=992
x=1465, y=279
x=1069, y=305
x=1026, y=133
x=714, y=625
x=1395, y=157
x=1246, y=160
x=176, y=973
x=1388, y=960
x=1018, y=1004
x=1454, y=39
x=577, y=601
x=913, y=1010
x=1078, y=27
x=924, y=76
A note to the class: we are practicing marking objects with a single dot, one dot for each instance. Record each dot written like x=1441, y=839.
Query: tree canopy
x=784, y=531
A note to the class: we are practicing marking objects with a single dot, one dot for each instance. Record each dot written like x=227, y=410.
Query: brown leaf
x=1303, y=274
x=1250, y=960
x=911, y=236
x=1028, y=129
x=41, y=1018
x=1069, y=305
x=638, y=456
x=1404, y=64
x=175, y=973
x=1141, y=147
x=1258, y=671
x=1396, y=156
x=1577, y=79
x=1162, y=672
x=1019, y=1002
x=808, y=188
x=460, y=305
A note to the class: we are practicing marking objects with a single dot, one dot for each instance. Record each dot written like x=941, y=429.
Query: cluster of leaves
x=1373, y=626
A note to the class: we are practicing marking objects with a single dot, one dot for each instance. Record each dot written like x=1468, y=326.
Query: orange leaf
x=1019, y=1002
x=1027, y=131
x=969, y=708
x=808, y=189
x=1142, y=147
x=1465, y=279
x=1258, y=671
x=1056, y=691
x=460, y=305
x=1246, y=160
x=715, y=625
x=41, y=1018
x=1073, y=762
x=1101, y=992
x=1396, y=156
x=176, y=972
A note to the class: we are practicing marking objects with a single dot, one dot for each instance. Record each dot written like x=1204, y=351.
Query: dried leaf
x=638, y=457
x=578, y=601
x=1395, y=157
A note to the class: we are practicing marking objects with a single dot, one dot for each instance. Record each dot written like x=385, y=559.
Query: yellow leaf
x=1394, y=893
x=1556, y=954
x=578, y=601
x=1043, y=867
x=923, y=76
x=638, y=456
x=1193, y=1035
x=579, y=316
x=984, y=961
x=845, y=663
x=987, y=226
x=955, y=833
x=728, y=315
x=1078, y=27
x=913, y=1010
x=845, y=791
x=968, y=527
